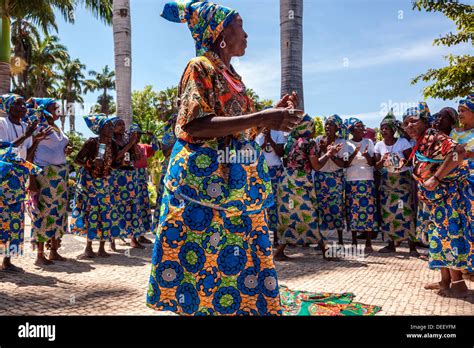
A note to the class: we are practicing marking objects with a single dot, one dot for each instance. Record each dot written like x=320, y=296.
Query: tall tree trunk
x=63, y=114
x=5, y=53
x=72, y=115
x=123, y=59
x=291, y=41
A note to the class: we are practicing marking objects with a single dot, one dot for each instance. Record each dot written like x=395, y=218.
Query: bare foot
x=112, y=246
x=54, y=256
x=144, y=240
x=103, y=253
x=123, y=242
x=135, y=244
x=43, y=261
x=368, y=249
x=436, y=286
x=414, y=253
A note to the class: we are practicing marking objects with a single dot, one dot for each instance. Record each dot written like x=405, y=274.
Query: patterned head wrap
x=351, y=122
x=96, y=122
x=206, y=20
x=37, y=109
x=421, y=111
x=135, y=128
x=304, y=129
x=391, y=121
x=468, y=102
x=339, y=123
x=7, y=100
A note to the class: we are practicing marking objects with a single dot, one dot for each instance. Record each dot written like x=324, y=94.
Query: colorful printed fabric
x=93, y=213
x=299, y=136
x=226, y=173
x=134, y=128
x=49, y=219
x=206, y=20
x=205, y=263
x=361, y=206
x=433, y=148
x=97, y=122
x=275, y=175
x=297, y=209
x=398, y=215
x=350, y=123
x=125, y=190
x=420, y=111
x=7, y=100
x=330, y=200
x=468, y=102
x=298, y=156
x=339, y=123
x=143, y=200
x=37, y=109
x=424, y=223
x=450, y=204
x=391, y=121
x=305, y=303
x=12, y=198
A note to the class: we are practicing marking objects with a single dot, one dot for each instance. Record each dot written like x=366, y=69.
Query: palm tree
x=42, y=14
x=167, y=101
x=25, y=36
x=103, y=81
x=45, y=56
x=70, y=89
x=291, y=41
x=123, y=58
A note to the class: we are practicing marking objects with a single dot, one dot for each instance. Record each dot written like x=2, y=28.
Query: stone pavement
x=117, y=285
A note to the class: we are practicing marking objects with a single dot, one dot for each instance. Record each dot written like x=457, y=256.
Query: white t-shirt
x=11, y=132
x=279, y=137
x=330, y=166
x=400, y=145
x=359, y=169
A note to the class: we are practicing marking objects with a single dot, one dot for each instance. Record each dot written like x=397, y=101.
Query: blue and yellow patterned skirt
x=205, y=263
x=297, y=209
x=49, y=219
x=361, y=206
x=143, y=199
x=93, y=213
x=330, y=200
x=275, y=176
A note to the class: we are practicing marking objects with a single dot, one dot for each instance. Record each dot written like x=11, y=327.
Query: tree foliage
x=456, y=79
x=318, y=126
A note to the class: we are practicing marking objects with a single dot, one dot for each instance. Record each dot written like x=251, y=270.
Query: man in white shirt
x=272, y=143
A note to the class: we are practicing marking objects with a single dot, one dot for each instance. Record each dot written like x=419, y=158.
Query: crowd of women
x=212, y=253
x=111, y=199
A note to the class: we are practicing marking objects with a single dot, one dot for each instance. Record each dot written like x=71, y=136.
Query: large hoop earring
x=223, y=44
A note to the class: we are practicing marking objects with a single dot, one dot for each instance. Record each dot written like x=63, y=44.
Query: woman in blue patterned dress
x=329, y=178
x=93, y=206
x=443, y=184
x=49, y=190
x=212, y=252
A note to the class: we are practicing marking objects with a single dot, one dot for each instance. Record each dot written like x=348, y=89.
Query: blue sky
x=358, y=57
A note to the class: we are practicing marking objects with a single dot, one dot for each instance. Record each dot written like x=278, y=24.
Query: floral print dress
x=212, y=254
x=451, y=243
x=297, y=203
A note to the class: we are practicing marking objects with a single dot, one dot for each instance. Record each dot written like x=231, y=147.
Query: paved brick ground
x=117, y=285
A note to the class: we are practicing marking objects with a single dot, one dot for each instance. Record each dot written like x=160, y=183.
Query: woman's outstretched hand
x=289, y=101
x=281, y=119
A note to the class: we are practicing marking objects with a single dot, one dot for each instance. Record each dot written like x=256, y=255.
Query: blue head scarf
x=468, y=102
x=37, y=109
x=97, y=122
x=339, y=123
x=7, y=100
x=206, y=20
x=135, y=128
x=351, y=122
x=421, y=111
